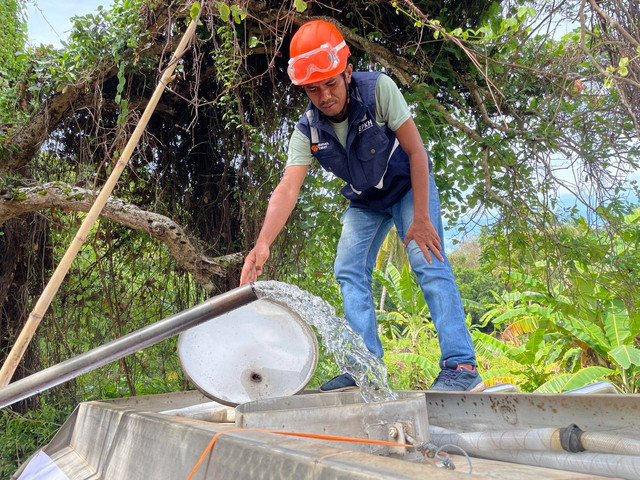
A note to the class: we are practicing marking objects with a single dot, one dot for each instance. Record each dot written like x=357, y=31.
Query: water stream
x=347, y=347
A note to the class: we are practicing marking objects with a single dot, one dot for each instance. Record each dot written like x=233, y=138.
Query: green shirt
x=391, y=110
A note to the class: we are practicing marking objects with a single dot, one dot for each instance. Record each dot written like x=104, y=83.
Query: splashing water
x=347, y=347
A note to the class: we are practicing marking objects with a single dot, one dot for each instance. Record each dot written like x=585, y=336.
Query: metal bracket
x=397, y=433
x=427, y=449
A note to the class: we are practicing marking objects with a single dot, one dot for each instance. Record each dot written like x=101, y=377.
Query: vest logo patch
x=366, y=125
x=319, y=146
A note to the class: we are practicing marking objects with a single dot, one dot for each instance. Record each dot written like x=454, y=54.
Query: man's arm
x=281, y=204
x=421, y=230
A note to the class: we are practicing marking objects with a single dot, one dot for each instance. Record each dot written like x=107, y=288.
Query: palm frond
x=570, y=381
x=429, y=367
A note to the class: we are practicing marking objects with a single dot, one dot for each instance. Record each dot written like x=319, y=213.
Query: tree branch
x=25, y=140
x=614, y=24
x=489, y=192
x=16, y=201
x=474, y=91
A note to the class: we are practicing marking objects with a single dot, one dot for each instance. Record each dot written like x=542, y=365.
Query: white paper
x=41, y=467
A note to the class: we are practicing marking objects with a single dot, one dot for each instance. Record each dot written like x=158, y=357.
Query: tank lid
x=260, y=350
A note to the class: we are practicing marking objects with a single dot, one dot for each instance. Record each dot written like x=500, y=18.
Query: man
x=358, y=126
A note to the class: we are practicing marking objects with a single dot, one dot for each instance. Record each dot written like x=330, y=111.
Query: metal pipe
x=598, y=387
x=123, y=346
x=502, y=388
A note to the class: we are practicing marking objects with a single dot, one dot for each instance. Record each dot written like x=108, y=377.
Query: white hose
x=603, y=442
x=540, y=439
x=533, y=439
x=542, y=447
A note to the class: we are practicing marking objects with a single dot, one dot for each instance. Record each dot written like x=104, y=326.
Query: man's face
x=330, y=95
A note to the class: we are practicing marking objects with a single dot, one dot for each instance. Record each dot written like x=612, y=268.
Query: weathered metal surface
x=73, y=465
x=122, y=443
x=472, y=412
x=160, y=402
x=208, y=411
x=341, y=414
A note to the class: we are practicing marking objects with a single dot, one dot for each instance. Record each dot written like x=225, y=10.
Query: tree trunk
x=22, y=259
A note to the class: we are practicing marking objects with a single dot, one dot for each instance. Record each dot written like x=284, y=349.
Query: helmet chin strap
x=344, y=113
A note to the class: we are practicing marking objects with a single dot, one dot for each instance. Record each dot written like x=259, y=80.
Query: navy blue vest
x=374, y=165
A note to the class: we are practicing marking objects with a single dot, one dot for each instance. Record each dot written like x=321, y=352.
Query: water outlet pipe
x=126, y=345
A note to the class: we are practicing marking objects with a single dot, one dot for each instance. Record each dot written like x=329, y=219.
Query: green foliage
x=571, y=381
x=408, y=369
x=107, y=295
x=106, y=35
x=412, y=311
x=194, y=11
x=13, y=37
x=326, y=369
x=475, y=288
x=591, y=305
x=404, y=290
x=234, y=11
x=410, y=320
x=24, y=434
x=625, y=356
x=500, y=159
x=300, y=5
x=428, y=367
x=537, y=361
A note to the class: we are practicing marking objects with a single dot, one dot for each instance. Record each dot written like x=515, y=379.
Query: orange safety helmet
x=317, y=52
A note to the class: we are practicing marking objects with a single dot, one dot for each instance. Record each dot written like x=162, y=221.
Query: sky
x=48, y=20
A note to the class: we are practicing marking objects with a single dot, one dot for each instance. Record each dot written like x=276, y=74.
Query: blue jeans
x=363, y=232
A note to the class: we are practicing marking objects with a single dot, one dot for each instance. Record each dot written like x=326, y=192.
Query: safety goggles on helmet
x=321, y=59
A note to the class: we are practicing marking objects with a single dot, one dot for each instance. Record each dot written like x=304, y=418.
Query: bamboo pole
x=16, y=353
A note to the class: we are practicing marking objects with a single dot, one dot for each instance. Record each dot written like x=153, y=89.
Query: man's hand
x=252, y=267
x=426, y=237
x=421, y=230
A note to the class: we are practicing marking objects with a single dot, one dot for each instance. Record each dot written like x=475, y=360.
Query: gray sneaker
x=454, y=378
x=341, y=383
